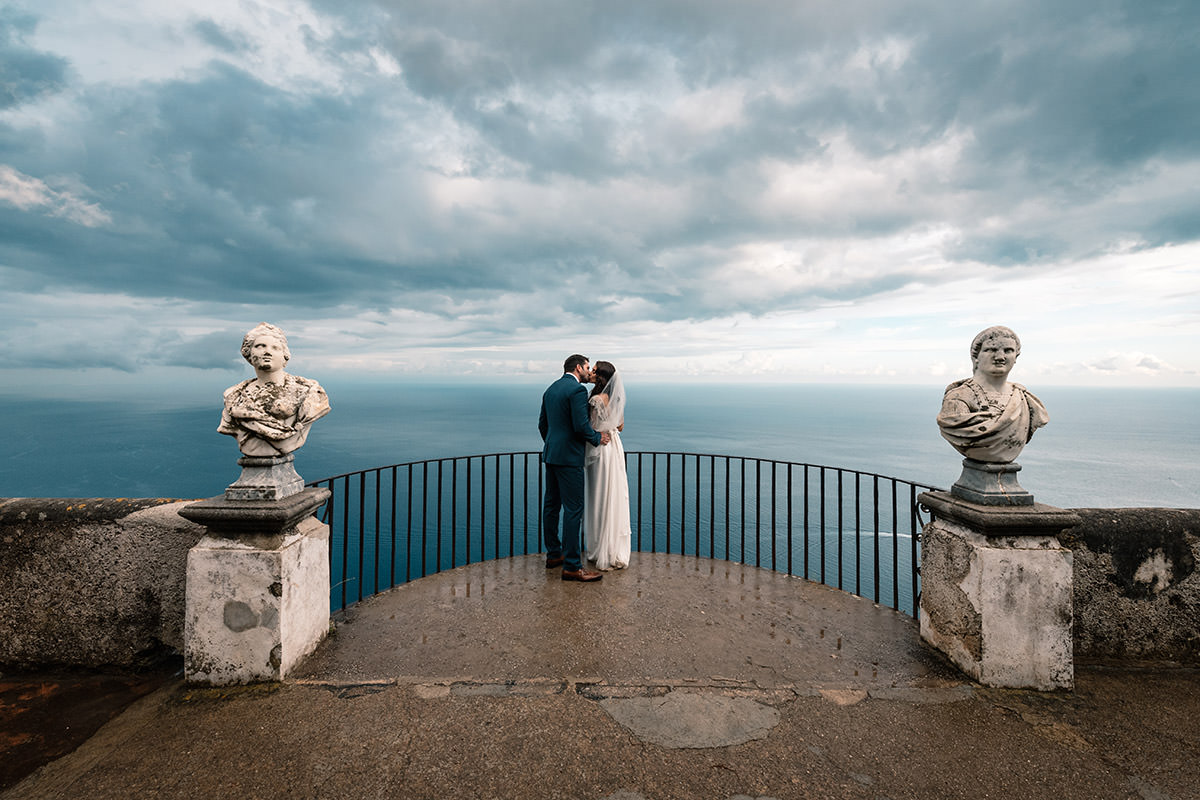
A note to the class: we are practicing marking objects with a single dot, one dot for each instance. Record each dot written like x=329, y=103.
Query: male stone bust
x=984, y=417
x=271, y=413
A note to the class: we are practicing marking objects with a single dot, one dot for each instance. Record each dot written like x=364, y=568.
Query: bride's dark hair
x=604, y=373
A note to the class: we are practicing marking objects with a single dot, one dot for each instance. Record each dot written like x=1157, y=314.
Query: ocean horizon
x=1103, y=447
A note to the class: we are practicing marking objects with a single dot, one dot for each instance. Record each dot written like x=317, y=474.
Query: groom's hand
x=605, y=438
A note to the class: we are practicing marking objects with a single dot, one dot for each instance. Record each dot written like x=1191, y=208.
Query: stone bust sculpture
x=985, y=417
x=271, y=413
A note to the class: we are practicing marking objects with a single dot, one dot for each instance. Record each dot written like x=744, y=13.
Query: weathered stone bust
x=985, y=417
x=271, y=413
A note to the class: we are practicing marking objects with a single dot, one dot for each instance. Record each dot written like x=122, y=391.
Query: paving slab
x=693, y=718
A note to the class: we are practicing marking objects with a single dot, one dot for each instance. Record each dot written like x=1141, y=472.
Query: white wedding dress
x=606, y=498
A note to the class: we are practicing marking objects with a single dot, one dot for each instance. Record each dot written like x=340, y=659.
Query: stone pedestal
x=265, y=478
x=996, y=591
x=990, y=484
x=257, y=596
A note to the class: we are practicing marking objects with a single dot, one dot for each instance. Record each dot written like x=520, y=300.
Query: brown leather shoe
x=586, y=575
x=553, y=562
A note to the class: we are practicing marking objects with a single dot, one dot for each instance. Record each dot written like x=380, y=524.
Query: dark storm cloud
x=527, y=145
x=1009, y=250
x=126, y=347
x=1061, y=101
x=207, y=351
x=1109, y=87
x=221, y=38
x=25, y=74
x=1180, y=225
x=213, y=183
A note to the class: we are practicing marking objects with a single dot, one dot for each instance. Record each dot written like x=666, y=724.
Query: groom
x=564, y=426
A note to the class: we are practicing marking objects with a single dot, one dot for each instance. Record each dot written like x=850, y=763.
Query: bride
x=606, y=502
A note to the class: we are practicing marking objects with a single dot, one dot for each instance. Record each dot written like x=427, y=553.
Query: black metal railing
x=852, y=530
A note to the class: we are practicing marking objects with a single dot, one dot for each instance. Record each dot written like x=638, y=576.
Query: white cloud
x=1130, y=363
x=29, y=194
x=144, y=40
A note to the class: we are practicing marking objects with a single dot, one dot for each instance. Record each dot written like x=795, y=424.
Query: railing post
x=424, y=516
x=875, y=539
x=726, y=508
x=470, y=485
x=362, y=479
x=392, y=573
x=408, y=532
x=375, y=573
x=453, y=512
x=915, y=539
x=841, y=530
x=698, y=505
x=789, y=520
x=654, y=503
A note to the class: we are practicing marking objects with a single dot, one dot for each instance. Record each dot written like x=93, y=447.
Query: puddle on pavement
x=43, y=717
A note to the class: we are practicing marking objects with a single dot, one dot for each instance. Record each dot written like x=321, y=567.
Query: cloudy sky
x=752, y=190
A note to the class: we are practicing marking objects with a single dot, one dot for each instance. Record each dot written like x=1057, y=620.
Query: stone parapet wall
x=1136, y=583
x=95, y=582
x=100, y=582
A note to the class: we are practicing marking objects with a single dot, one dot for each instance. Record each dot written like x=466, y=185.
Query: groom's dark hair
x=573, y=361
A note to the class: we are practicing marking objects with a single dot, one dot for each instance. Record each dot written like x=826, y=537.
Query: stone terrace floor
x=679, y=677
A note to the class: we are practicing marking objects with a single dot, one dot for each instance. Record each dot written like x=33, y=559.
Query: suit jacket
x=563, y=423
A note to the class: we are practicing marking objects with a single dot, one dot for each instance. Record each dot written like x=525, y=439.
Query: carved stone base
x=257, y=594
x=990, y=484
x=251, y=612
x=996, y=592
x=261, y=522
x=265, y=478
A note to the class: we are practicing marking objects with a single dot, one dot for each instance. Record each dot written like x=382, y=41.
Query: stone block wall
x=94, y=582
x=1136, y=584
x=100, y=582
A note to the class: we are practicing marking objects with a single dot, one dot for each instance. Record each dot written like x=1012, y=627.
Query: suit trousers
x=564, y=489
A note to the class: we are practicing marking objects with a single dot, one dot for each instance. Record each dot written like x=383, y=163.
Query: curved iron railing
x=852, y=530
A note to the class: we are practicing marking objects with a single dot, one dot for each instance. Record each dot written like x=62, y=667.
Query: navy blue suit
x=565, y=428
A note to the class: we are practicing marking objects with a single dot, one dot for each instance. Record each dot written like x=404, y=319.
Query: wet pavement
x=45, y=716
x=672, y=618
x=677, y=678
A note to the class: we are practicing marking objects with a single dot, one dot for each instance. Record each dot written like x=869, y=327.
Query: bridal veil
x=609, y=417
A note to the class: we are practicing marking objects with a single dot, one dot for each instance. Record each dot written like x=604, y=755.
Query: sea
x=1103, y=447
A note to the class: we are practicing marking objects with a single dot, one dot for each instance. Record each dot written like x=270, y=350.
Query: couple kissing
x=585, y=470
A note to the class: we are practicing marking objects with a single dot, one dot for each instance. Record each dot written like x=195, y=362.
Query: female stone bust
x=271, y=413
x=985, y=417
